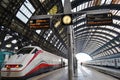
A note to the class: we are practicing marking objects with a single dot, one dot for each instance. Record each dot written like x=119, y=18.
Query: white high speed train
x=30, y=61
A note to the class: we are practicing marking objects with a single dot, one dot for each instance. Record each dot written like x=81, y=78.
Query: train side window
x=25, y=50
x=35, y=51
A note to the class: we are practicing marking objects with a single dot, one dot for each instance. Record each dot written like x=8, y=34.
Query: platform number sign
x=99, y=19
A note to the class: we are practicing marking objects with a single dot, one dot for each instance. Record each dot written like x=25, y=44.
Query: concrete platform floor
x=82, y=73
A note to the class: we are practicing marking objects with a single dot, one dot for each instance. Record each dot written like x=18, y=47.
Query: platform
x=83, y=73
x=107, y=70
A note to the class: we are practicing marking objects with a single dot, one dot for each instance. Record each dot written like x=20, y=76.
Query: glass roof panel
x=100, y=30
x=38, y=31
x=80, y=23
x=82, y=6
x=91, y=3
x=104, y=35
x=63, y=3
x=117, y=42
x=74, y=27
x=61, y=30
x=80, y=29
x=118, y=13
x=81, y=17
x=22, y=17
x=56, y=42
x=14, y=41
x=105, y=31
x=25, y=11
x=113, y=44
x=16, y=48
x=49, y=34
x=114, y=50
x=29, y=6
x=113, y=12
x=117, y=30
x=74, y=10
x=102, y=2
x=108, y=1
x=109, y=27
x=111, y=52
x=8, y=45
x=113, y=34
x=7, y=37
x=86, y=5
x=116, y=2
x=102, y=39
x=70, y=0
x=79, y=8
x=118, y=49
x=41, y=1
x=116, y=21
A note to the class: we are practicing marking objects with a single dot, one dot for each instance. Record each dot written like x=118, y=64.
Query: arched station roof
x=97, y=41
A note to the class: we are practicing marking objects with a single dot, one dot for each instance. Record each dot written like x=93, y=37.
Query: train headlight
x=7, y=66
x=17, y=66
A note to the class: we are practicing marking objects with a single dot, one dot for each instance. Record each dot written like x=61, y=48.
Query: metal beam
x=108, y=43
x=75, y=3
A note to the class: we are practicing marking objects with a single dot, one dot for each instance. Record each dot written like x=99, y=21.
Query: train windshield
x=25, y=50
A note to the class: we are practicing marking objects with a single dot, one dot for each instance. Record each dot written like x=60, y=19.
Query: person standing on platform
x=81, y=63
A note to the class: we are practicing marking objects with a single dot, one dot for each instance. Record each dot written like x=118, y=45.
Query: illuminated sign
x=40, y=23
x=99, y=19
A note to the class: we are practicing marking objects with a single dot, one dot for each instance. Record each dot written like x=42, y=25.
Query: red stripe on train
x=43, y=65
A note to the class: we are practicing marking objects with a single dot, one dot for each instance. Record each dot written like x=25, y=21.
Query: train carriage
x=113, y=62
x=30, y=61
x=117, y=63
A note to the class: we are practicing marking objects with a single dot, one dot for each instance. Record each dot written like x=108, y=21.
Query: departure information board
x=40, y=23
x=99, y=19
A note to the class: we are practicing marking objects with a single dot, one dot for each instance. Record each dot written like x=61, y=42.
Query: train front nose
x=11, y=70
x=14, y=66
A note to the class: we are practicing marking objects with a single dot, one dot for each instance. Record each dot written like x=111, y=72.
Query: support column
x=67, y=10
x=70, y=55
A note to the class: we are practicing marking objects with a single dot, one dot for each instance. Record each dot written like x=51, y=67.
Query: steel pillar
x=67, y=10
